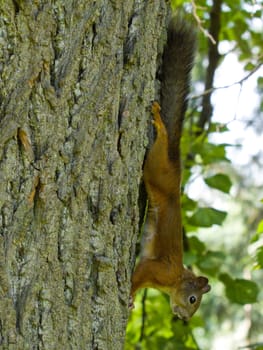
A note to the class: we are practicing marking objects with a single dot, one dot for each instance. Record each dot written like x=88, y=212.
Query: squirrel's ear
x=206, y=289
x=202, y=283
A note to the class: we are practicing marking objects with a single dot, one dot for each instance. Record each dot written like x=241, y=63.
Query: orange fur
x=161, y=264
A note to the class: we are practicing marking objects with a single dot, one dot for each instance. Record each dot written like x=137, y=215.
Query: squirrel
x=161, y=263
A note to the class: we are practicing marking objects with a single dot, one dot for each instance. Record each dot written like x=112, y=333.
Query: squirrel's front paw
x=131, y=303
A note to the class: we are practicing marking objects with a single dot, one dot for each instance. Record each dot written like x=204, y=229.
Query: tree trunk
x=77, y=78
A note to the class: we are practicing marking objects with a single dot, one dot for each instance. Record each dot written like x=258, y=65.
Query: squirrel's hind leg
x=157, y=159
x=159, y=170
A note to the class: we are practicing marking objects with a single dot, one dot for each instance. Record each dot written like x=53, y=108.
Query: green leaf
x=209, y=152
x=196, y=245
x=207, y=261
x=189, y=259
x=183, y=338
x=218, y=127
x=260, y=83
x=239, y=290
x=219, y=181
x=210, y=261
x=207, y=217
x=260, y=257
x=186, y=174
x=188, y=203
x=260, y=227
x=249, y=66
x=258, y=233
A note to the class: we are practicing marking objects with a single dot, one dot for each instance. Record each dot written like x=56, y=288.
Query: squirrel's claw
x=131, y=303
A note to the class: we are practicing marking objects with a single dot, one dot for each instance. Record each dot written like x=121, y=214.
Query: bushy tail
x=178, y=59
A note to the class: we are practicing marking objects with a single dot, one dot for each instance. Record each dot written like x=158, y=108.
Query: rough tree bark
x=76, y=80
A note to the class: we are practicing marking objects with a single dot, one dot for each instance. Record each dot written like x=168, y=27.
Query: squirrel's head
x=186, y=297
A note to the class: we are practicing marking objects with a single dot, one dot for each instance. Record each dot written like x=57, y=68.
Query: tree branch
x=239, y=82
x=199, y=23
x=213, y=58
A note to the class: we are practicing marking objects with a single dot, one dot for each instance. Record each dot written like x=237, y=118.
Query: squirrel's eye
x=192, y=299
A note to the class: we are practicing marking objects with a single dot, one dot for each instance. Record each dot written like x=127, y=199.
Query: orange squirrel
x=161, y=264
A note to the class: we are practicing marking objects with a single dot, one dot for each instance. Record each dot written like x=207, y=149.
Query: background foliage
x=224, y=226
